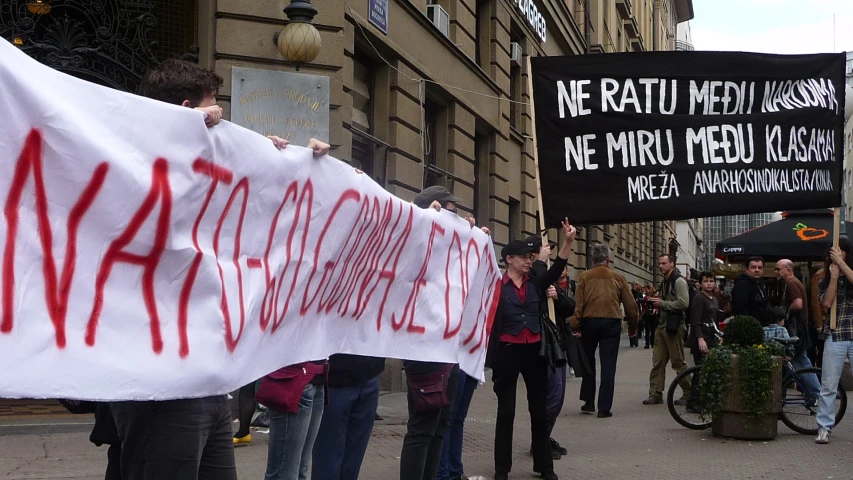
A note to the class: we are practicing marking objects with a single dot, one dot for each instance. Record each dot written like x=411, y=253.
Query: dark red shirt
x=525, y=335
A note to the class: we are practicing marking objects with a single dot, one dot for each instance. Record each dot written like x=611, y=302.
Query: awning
x=801, y=235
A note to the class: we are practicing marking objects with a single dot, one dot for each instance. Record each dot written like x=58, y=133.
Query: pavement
x=637, y=442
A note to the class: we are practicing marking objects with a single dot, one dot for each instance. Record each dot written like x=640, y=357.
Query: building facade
x=849, y=69
x=716, y=229
x=690, y=254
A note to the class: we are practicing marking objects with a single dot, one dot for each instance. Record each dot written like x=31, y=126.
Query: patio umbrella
x=799, y=235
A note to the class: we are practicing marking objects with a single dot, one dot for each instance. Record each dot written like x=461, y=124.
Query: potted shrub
x=741, y=384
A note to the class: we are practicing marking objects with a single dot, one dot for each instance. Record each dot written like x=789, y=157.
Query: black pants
x=425, y=436
x=603, y=333
x=693, y=401
x=510, y=361
x=176, y=439
x=651, y=324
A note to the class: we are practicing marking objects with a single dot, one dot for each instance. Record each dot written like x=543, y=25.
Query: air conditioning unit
x=515, y=53
x=438, y=16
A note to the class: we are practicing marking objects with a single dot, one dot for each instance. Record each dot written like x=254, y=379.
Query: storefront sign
x=534, y=18
x=378, y=14
x=293, y=106
x=636, y=137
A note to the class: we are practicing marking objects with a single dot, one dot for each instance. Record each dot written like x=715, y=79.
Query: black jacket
x=542, y=281
x=352, y=370
x=748, y=298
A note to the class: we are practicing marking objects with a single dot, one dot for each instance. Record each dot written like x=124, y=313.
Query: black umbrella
x=801, y=235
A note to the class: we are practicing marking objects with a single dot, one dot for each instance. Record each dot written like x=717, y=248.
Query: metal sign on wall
x=379, y=14
x=293, y=106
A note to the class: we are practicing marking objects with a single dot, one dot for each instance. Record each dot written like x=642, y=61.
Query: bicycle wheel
x=680, y=412
x=799, y=410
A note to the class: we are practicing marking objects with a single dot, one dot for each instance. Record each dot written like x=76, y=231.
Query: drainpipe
x=655, y=22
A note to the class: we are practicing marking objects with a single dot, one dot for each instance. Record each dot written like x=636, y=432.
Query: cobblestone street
x=638, y=442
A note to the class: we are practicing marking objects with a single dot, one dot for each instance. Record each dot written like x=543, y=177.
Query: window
x=514, y=219
x=515, y=86
x=483, y=33
x=481, y=178
x=435, y=146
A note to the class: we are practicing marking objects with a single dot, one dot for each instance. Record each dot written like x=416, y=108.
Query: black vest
x=519, y=315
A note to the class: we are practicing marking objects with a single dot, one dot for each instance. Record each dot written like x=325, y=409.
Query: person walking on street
x=649, y=317
x=513, y=349
x=669, y=336
x=836, y=287
x=637, y=290
x=598, y=322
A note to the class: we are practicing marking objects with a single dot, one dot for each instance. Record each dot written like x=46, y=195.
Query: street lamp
x=299, y=42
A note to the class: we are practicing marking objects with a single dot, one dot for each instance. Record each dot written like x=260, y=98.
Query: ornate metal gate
x=109, y=42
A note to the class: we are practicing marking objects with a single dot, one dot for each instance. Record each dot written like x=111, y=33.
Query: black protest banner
x=671, y=135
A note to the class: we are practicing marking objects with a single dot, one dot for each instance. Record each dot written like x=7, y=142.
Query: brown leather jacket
x=599, y=293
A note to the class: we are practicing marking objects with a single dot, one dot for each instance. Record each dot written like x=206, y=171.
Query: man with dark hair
x=601, y=296
x=669, y=337
x=183, y=439
x=748, y=296
x=513, y=350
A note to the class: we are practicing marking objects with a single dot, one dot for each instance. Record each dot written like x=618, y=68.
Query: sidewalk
x=637, y=442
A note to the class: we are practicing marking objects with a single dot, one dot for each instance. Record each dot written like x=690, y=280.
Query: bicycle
x=799, y=409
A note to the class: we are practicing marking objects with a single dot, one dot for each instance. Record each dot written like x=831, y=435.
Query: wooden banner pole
x=542, y=229
x=836, y=231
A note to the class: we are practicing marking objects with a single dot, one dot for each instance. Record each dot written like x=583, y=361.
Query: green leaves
x=744, y=331
x=715, y=380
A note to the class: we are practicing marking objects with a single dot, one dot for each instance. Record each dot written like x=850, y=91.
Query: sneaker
x=681, y=402
x=558, y=448
x=822, y=437
x=588, y=407
x=653, y=400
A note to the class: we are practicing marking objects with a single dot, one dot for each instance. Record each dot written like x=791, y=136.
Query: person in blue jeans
x=348, y=417
x=450, y=467
x=838, y=343
x=293, y=428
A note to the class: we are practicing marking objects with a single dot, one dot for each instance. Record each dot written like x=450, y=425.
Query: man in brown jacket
x=598, y=322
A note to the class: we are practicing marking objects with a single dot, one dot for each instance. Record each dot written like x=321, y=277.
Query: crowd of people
x=322, y=412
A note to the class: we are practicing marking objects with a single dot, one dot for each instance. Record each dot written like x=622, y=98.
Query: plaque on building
x=293, y=106
x=379, y=14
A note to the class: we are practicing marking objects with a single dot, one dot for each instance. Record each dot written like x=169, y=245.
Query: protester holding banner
x=429, y=414
x=514, y=348
x=669, y=336
x=601, y=298
x=835, y=288
x=348, y=417
x=190, y=438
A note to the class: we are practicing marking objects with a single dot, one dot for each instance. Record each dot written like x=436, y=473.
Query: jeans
x=345, y=431
x=556, y=395
x=834, y=354
x=424, y=438
x=292, y=436
x=450, y=466
x=510, y=361
x=668, y=347
x=811, y=382
x=603, y=333
x=176, y=439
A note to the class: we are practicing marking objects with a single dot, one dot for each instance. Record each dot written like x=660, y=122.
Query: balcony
x=632, y=29
x=624, y=8
x=637, y=44
x=683, y=46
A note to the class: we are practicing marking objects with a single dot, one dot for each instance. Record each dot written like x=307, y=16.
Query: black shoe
x=647, y=346
x=693, y=409
x=501, y=476
x=558, y=448
x=555, y=455
x=588, y=407
x=602, y=414
x=550, y=476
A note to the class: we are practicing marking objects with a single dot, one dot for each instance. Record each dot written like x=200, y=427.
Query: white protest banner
x=145, y=256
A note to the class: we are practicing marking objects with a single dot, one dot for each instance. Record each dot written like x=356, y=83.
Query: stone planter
x=732, y=422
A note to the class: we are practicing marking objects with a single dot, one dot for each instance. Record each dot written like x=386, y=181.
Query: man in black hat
x=514, y=349
x=422, y=445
